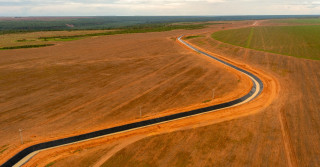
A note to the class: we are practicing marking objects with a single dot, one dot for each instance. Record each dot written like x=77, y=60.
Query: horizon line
x=165, y=15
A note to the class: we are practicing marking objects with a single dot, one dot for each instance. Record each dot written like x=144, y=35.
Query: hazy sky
x=156, y=7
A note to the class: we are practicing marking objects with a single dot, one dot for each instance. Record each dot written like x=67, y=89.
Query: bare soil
x=280, y=128
x=266, y=98
x=81, y=86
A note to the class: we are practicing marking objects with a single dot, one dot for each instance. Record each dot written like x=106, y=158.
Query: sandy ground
x=91, y=152
x=95, y=83
x=280, y=128
x=88, y=158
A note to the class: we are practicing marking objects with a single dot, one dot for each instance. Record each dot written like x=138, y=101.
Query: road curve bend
x=25, y=155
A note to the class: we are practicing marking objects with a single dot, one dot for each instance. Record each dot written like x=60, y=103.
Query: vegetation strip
x=25, y=155
x=250, y=37
x=29, y=24
x=194, y=36
x=25, y=46
x=4, y=148
x=135, y=29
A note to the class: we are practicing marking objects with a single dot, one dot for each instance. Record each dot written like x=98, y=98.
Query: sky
x=157, y=7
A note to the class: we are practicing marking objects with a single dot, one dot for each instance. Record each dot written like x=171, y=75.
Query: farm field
x=76, y=86
x=32, y=38
x=298, y=100
x=47, y=90
x=17, y=40
x=87, y=158
x=284, y=133
x=297, y=41
x=315, y=20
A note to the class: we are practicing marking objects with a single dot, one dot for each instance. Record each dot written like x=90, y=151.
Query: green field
x=299, y=21
x=297, y=41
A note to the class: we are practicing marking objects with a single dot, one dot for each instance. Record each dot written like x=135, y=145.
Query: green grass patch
x=250, y=37
x=50, y=164
x=60, y=39
x=194, y=36
x=78, y=150
x=25, y=46
x=4, y=148
x=24, y=40
x=206, y=101
x=297, y=41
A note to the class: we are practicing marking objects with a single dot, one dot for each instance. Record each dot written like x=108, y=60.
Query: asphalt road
x=25, y=155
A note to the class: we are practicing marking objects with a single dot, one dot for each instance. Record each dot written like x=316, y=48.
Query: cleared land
x=286, y=133
x=283, y=133
x=297, y=41
x=88, y=156
x=76, y=87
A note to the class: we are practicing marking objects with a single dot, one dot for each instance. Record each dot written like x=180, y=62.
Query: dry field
x=95, y=152
x=90, y=84
x=285, y=133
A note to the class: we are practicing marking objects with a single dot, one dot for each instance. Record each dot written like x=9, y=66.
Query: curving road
x=25, y=155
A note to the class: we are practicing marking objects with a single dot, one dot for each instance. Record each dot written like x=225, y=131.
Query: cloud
x=155, y=7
